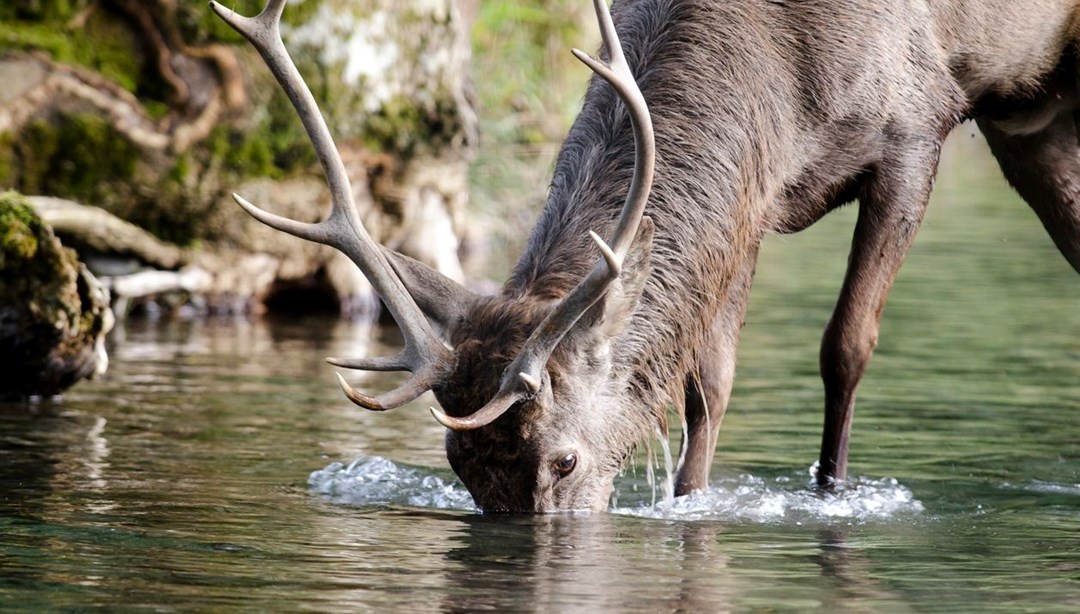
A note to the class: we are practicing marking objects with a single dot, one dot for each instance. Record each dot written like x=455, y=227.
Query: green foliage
x=285, y=138
x=522, y=54
x=528, y=89
x=180, y=171
x=40, y=10
x=199, y=25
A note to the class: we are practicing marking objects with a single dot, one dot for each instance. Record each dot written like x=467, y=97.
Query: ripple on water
x=1046, y=487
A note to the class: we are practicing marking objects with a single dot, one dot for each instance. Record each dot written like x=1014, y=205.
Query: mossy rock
x=53, y=313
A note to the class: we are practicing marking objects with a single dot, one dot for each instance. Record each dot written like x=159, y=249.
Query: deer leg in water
x=709, y=389
x=1044, y=167
x=891, y=207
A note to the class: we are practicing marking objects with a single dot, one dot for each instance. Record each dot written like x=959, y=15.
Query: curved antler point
x=613, y=263
x=358, y=397
x=530, y=382
x=594, y=65
x=442, y=418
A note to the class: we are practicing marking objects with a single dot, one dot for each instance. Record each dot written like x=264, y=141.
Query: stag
x=754, y=117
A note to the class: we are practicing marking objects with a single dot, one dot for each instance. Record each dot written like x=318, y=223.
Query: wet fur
x=768, y=115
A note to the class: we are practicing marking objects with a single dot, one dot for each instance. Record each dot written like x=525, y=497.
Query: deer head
x=532, y=398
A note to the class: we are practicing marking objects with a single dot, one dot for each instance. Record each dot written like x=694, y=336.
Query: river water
x=218, y=467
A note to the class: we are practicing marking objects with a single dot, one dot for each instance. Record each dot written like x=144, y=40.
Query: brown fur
x=768, y=115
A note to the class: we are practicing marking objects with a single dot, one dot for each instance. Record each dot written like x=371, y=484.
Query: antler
x=523, y=378
x=424, y=355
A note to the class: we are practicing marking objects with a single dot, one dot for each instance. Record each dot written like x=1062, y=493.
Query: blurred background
x=125, y=125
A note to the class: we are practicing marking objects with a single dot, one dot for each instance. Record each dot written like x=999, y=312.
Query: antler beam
x=424, y=355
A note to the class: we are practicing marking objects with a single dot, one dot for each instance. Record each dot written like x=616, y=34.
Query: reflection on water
x=181, y=481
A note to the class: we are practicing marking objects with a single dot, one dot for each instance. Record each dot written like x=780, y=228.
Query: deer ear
x=443, y=300
x=611, y=313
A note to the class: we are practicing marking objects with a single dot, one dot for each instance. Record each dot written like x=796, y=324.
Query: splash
x=783, y=499
x=378, y=481
x=375, y=481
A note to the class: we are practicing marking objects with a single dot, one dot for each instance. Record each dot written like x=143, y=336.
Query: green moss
x=106, y=44
x=19, y=230
x=156, y=109
x=33, y=263
x=82, y=157
x=274, y=147
x=76, y=158
x=88, y=141
x=251, y=156
x=405, y=128
x=35, y=150
x=109, y=46
x=7, y=160
x=51, y=318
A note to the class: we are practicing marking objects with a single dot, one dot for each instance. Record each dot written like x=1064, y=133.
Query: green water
x=181, y=480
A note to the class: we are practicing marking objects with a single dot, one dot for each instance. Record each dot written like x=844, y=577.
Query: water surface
x=218, y=467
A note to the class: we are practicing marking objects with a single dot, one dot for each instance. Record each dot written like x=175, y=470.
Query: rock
x=53, y=313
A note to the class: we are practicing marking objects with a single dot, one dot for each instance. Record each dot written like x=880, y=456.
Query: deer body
x=767, y=114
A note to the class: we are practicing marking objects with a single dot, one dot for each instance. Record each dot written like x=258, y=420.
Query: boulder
x=53, y=313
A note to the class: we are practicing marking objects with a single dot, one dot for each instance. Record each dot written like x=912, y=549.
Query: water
x=218, y=467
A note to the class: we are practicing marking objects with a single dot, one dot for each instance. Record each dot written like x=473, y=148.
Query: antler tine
x=617, y=73
x=415, y=386
x=374, y=363
x=522, y=378
x=424, y=354
x=284, y=224
x=484, y=416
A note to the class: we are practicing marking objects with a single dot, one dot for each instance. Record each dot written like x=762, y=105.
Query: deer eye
x=565, y=465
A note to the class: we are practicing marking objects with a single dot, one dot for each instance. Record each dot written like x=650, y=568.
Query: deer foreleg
x=891, y=208
x=709, y=389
